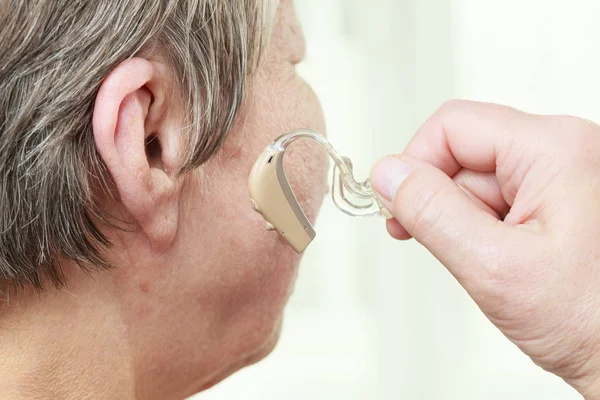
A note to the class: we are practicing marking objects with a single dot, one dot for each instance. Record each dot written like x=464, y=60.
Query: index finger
x=472, y=135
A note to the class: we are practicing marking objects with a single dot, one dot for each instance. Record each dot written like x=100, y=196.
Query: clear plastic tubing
x=352, y=197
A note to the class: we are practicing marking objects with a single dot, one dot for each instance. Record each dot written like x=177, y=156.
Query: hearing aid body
x=272, y=196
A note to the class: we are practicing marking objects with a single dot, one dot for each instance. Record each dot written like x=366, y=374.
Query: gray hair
x=54, y=56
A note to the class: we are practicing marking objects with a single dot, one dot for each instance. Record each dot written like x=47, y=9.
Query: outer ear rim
x=144, y=193
x=114, y=86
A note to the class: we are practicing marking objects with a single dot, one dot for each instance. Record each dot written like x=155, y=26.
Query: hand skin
x=509, y=202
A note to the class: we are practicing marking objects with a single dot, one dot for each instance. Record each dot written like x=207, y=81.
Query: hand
x=510, y=203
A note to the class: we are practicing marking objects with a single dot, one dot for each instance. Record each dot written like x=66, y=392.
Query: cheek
x=260, y=264
x=306, y=166
x=236, y=272
x=250, y=266
x=307, y=163
x=297, y=106
x=288, y=104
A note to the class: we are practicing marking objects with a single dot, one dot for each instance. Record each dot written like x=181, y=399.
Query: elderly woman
x=131, y=262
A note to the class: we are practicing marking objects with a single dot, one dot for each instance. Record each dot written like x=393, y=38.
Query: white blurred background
x=376, y=319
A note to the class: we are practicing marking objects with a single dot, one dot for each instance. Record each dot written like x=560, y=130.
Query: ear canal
x=154, y=152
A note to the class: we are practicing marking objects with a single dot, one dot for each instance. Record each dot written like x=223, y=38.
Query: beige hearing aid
x=272, y=196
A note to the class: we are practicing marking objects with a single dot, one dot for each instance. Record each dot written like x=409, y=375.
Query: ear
x=139, y=146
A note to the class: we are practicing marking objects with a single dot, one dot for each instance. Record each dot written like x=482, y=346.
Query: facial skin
x=199, y=286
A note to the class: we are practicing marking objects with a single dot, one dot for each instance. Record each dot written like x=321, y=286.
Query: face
x=214, y=302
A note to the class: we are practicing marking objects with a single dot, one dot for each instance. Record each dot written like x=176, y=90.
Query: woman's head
x=54, y=57
x=128, y=130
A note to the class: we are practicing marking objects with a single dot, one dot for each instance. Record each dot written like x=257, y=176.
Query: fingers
x=476, y=136
x=483, y=190
x=431, y=207
x=396, y=230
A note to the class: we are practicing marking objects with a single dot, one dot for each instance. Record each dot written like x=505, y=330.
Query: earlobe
x=131, y=134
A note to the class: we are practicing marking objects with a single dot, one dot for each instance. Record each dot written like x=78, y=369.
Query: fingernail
x=388, y=174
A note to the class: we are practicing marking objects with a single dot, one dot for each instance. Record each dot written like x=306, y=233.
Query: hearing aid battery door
x=272, y=196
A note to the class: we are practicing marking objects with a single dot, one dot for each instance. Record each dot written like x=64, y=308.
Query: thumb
x=437, y=213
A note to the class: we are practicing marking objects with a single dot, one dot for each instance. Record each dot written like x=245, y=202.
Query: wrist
x=591, y=392
x=585, y=377
x=589, y=387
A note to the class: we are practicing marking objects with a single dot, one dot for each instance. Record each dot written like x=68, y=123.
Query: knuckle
x=446, y=114
x=451, y=106
x=569, y=122
x=577, y=134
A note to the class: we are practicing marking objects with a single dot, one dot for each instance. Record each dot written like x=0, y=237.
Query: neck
x=67, y=343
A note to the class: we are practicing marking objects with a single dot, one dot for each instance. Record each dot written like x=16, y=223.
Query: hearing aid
x=272, y=196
